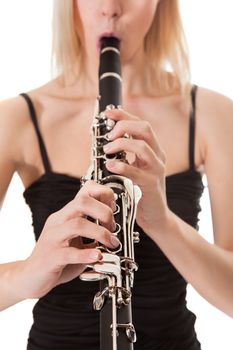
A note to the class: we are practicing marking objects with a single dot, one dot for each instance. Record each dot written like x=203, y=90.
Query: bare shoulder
x=12, y=110
x=214, y=109
x=13, y=113
x=15, y=120
x=15, y=128
x=215, y=124
x=214, y=118
x=12, y=122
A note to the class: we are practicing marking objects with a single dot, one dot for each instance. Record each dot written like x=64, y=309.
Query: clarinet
x=116, y=269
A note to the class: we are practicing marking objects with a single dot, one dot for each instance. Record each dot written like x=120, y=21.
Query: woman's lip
x=106, y=35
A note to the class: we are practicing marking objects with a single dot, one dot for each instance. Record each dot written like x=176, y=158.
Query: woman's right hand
x=59, y=255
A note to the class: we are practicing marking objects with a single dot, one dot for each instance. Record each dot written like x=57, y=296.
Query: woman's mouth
x=106, y=35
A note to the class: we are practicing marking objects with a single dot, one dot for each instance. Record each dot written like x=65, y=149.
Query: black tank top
x=64, y=319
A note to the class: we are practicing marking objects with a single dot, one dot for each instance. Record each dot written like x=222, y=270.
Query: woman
x=157, y=105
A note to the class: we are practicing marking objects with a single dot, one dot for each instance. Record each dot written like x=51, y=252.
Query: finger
x=88, y=206
x=124, y=169
x=140, y=130
x=90, y=245
x=137, y=175
x=144, y=154
x=70, y=272
x=119, y=114
x=72, y=255
x=77, y=242
x=84, y=205
x=100, y=192
x=64, y=233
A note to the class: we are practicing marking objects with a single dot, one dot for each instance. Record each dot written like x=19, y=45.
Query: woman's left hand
x=147, y=170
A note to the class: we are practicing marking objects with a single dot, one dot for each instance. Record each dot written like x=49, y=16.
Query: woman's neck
x=133, y=76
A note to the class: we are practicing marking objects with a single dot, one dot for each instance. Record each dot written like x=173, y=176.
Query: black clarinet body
x=116, y=270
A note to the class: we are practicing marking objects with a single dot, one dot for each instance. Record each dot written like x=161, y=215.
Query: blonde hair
x=165, y=46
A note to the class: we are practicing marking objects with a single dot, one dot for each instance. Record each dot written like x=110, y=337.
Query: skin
x=152, y=155
x=59, y=255
x=125, y=19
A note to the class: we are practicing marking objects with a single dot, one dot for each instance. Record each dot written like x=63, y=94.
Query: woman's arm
x=215, y=127
x=12, y=290
x=59, y=255
x=207, y=267
x=9, y=129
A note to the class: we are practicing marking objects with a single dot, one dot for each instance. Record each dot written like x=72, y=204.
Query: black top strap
x=192, y=128
x=43, y=151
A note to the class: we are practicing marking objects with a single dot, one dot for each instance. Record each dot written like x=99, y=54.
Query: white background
x=25, y=41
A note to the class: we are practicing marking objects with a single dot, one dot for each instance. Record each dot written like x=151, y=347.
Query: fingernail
x=94, y=254
x=114, y=241
x=110, y=135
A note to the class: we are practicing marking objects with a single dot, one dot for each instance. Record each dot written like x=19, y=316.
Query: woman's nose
x=111, y=8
